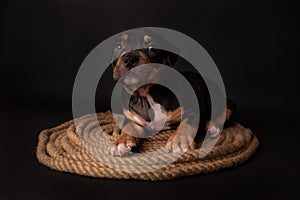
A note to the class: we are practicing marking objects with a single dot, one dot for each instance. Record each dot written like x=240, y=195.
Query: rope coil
x=64, y=149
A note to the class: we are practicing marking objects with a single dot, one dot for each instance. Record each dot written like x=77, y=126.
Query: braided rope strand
x=66, y=148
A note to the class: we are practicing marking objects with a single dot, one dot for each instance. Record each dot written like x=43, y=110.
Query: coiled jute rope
x=64, y=149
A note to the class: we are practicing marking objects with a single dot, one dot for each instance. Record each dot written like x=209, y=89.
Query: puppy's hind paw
x=213, y=131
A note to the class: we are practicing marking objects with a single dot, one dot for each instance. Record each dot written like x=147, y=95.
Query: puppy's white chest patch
x=158, y=117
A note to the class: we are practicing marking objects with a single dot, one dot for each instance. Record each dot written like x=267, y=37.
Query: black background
x=253, y=43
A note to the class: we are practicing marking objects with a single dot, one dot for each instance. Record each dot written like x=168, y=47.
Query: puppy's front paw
x=178, y=143
x=122, y=146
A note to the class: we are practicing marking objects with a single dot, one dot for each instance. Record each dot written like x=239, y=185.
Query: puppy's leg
x=174, y=116
x=213, y=126
x=126, y=142
x=182, y=139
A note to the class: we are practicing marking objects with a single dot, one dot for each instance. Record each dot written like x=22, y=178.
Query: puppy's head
x=133, y=49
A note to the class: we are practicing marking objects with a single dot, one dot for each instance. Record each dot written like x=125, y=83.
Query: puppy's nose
x=130, y=60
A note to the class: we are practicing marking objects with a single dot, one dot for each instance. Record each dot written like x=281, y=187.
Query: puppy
x=148, y=100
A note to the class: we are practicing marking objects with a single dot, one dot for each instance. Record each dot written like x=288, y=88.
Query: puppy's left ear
x=171, y=58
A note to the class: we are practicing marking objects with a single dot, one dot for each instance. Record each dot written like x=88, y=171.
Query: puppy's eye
x=119, y=46
x=151, y=47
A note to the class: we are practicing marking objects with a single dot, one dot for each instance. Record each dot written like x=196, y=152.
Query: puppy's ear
x=113, y=64
x=171, y=58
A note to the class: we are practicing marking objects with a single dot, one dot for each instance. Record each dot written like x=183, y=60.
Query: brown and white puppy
x=143, y=99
